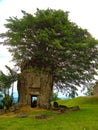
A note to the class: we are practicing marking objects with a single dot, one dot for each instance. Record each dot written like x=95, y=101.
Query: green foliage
x=7, y=101
x=6, y=82
x=49, y=39
x=90, y=91
x=54, y=97
x=34, y=69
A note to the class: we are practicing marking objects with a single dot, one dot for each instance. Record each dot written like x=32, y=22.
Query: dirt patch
x=42, y=117
x=21, y=112
x=22, y=115
x=8, y=114
x=27, y=108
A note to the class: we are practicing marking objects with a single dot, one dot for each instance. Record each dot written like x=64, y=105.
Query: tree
x=54, y=97
x=6, y=82
x=90, y=91
x=49, y=42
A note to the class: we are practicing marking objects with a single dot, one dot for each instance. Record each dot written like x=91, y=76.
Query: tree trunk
x=35, y=85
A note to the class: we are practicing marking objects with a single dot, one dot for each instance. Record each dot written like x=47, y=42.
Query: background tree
x=6, y=82
x=90, y=91
x=49, y=41
x=54, y=97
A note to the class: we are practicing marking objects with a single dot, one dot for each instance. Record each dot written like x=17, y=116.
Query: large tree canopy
x=49, y=41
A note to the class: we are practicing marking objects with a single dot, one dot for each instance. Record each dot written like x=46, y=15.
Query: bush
x=54, y=97
x=7, y=102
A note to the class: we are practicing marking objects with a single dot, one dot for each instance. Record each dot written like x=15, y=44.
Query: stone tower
x=35, y=89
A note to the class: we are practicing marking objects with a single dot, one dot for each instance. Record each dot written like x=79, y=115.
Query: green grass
x=84, y=119
x=81, y=101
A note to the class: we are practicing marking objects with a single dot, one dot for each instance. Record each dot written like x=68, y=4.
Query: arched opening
x=34, y=101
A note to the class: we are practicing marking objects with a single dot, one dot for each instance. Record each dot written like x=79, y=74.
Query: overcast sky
x=82, y=12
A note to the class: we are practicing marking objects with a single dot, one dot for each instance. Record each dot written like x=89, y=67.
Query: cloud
x=5, y=58
x=1, y=0
x=83, y=12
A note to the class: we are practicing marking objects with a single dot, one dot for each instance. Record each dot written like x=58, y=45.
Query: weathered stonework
x=34, y=84
x=95, y=92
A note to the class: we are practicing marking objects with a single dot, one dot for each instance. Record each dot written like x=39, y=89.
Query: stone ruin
x=95, y=91
x=35, y=89
x=63, y=108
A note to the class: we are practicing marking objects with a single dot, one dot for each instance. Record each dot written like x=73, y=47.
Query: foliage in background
x=7, y=101
x=6, y=82
x=90, y=91
x=49, y=41
x=54, y=97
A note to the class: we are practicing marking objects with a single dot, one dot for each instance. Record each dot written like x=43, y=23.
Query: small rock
x=75, y=108
x=2, y=111
x=55, y=105
x=22, y=115
x=41, y=117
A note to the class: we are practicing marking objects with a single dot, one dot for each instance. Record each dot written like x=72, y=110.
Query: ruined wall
x=95, y=92
x=34, y=83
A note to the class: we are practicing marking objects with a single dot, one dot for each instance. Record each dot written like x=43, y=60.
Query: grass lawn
x=84, y=119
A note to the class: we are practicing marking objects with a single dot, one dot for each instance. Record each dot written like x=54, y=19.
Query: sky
x=83, y=12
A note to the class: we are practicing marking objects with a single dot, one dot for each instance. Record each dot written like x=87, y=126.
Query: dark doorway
x=34, y=101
